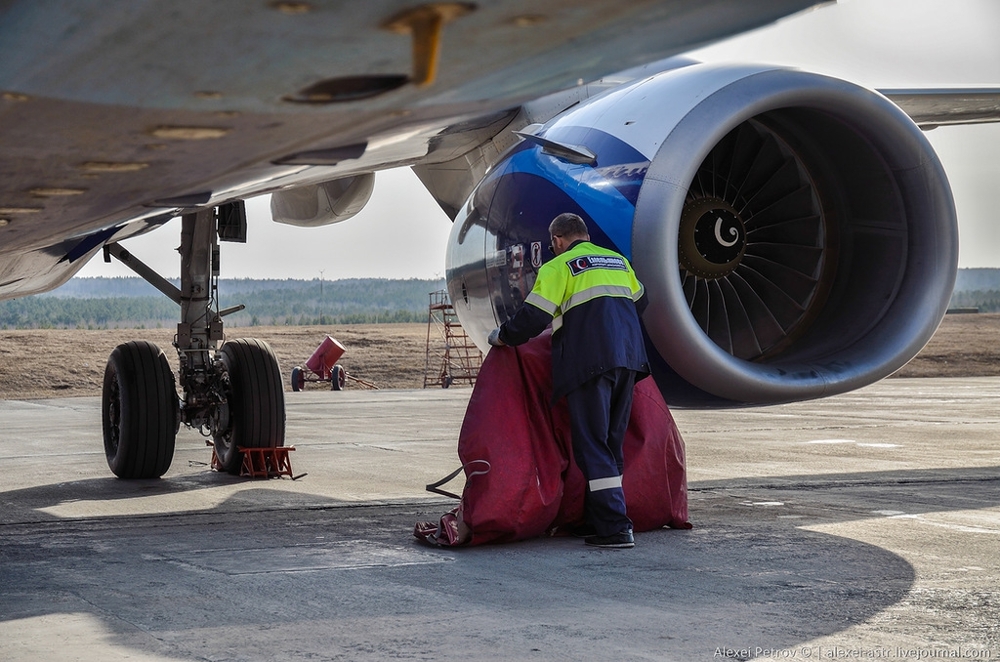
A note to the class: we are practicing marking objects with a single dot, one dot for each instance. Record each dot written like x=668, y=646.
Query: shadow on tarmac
x=264, y=578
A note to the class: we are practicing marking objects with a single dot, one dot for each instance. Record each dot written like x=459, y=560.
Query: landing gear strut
x=233, y=395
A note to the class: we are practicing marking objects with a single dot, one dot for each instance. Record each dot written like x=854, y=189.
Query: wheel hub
x=712, y=238
x=114, y=418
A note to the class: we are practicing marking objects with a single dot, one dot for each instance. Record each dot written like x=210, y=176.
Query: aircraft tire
x=298, y=379
x=338, y=378
x=256, y=402
x=139, y=411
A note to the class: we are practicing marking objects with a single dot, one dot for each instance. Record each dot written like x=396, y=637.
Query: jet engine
x=330, y=202
x=795, y=233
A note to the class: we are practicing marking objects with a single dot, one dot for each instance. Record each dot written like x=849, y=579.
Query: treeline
x=100, y=303
x=987, y=301
x=977, y=288
x=977, y=280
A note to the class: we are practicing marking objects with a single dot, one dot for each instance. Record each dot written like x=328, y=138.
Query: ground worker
x=591, y=297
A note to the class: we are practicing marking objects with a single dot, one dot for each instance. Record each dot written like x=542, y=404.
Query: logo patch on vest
x=586, y=262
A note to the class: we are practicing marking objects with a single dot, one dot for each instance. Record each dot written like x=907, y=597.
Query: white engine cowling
x=316, y=205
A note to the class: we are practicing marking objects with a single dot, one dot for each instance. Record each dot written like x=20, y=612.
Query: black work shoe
x=622, y=540
x=583, y=530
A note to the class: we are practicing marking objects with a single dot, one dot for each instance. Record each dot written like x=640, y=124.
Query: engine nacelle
x=795, y=233
x=315, y=205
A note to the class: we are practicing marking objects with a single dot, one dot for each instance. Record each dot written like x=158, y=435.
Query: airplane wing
x=117, y=115
x=930, y=108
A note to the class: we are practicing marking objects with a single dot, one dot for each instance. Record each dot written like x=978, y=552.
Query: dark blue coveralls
x=592, y=298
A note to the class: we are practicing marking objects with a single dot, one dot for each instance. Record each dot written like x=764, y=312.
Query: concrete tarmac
x=864, y=526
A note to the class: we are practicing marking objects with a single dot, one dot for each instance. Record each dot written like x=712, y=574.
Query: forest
x=977, y=288
x=101, y=303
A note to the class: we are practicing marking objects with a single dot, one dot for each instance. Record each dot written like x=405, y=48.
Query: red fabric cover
x=533, y=485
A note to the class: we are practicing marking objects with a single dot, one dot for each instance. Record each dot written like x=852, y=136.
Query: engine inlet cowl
x=805, y=245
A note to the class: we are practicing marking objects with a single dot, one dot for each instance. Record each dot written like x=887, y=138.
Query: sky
x=402, y=233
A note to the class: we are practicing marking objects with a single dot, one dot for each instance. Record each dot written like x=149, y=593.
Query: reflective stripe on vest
x=586, y=295
x=581, y=274
x=538, y=301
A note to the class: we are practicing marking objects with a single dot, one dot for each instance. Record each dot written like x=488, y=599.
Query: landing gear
x=233, y=395
x=139, y=408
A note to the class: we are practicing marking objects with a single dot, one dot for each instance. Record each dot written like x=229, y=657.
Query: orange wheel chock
x=262, y=462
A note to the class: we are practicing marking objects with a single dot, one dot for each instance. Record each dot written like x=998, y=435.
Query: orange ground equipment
x=322, y=367
x=270, y=462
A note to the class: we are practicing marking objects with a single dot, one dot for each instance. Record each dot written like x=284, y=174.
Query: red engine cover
x=531, y=484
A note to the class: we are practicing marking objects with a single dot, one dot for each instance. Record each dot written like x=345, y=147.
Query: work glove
x=494, y=338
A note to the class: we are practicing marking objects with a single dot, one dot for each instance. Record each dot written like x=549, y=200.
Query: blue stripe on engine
x=621, y=164
x=601, y=201
x=610, y=150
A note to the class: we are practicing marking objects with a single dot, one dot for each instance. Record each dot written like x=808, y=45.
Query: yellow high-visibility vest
x=581, y=274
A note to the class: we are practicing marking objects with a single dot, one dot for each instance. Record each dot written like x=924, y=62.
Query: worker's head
x=564, y=230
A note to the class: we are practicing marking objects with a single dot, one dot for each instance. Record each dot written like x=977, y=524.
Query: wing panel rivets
x=189, y=132
x=112, y=166
x=288, y=7
x=528, y=20
x=56, y=192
